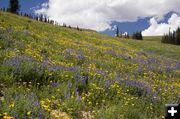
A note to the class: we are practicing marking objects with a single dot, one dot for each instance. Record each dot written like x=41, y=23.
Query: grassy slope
x=153, y=46
x=74, y=72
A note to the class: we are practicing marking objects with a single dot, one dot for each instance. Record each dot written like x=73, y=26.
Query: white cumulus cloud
x=99, y=14
x=156, y=28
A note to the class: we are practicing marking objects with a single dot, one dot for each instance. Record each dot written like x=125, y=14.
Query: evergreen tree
x=14, y=6
x=37, y=18
x=117, y=32
x=41, y=18
x=4, y=9
x=137, y=36
x=21, y=14
x=45, y=19
x=177, y=36
x=78, y=28
x=64, y=25
x=172, y=37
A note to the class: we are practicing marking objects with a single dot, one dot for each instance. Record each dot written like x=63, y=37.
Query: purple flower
x=15, y=115
x=177, y=65
x=9, y=29
x=155, y=97
x=84, y=80
x=54, y=85
x=153, y=60
x=118, y=78
x=72, y=69
x=69, y=84
x=113, y=53
x=69, y=51
x=81, y=56
x=101, y=72
x=78, y=97
x=40, y=115
x=36, y=104
x=108, y=83
x=55, y=68
x=139, y=85
x=16, y=62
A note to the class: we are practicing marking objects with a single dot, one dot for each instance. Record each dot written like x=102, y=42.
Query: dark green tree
x=177, y=41
x=137, y=36
x=14, y=6
x=45, y=19
x=41, y=18
x=172, y=37
x=117, y=32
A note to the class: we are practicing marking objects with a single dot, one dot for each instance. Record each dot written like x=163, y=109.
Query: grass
x=153, y=45
x=54, y=72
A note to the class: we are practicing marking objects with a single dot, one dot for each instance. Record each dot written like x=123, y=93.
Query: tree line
x=14, y=7
x=136, y=35
x=172, y=37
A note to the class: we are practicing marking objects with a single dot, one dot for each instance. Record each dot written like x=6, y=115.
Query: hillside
x=51, y=71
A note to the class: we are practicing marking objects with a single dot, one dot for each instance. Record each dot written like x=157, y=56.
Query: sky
x=152, y=17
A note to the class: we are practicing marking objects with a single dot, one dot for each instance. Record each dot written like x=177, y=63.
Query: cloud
x=99, y=14
x=162, y=28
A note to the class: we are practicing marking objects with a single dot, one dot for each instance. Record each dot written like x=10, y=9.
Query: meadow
x=55, y=72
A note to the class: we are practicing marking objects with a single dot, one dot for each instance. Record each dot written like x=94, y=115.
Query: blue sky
x=26, y=5
x=129, y=27
x=105, y=16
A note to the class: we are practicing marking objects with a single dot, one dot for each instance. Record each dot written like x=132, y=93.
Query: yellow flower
x=29, y=113
x=55, y=114
x=11, y=105
x=7, y=117
x=42, y=102
x=52, y=97
x=89, y=102
x=48, y=101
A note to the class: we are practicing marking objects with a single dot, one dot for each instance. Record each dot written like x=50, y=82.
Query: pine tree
x=41, y=18
x=4, y=9
x=37, y=18
x=172, y=37
x=177, y=36
x=137, y=36
x=45, y=19
x=78, y=28
x=14, y=6
x=117, y=32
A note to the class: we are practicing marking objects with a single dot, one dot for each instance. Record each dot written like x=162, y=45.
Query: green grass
x=153, y=45
x=57, y=72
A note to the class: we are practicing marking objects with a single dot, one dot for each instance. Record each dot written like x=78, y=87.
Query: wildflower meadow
x=53, y=72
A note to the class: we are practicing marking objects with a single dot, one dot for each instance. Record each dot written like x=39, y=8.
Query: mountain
x=49, y=71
